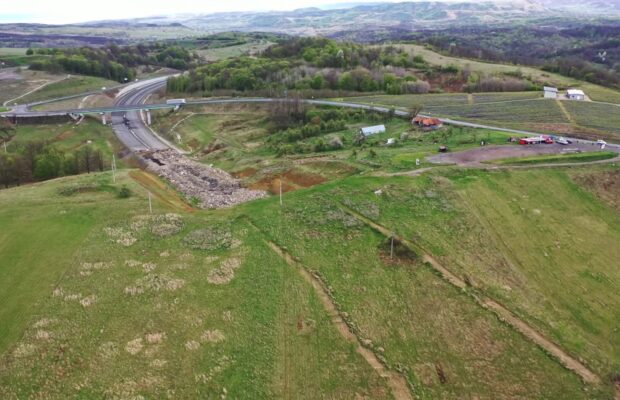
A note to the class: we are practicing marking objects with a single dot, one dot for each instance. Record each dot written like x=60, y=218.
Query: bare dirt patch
x=132, y=263
x=87, y=268
x=291, y=180
x=192, y=345
x=108, y=349
x=246, y=173
x=212, y=336
x=120, y=236
x=44, y=322
x=477, y=156
x=155, y=283
x=212, y=238
x=158, y=225
x=135, y=346
x=24, y=350
x=158, y=363
x=88, y=301
x=155, y=338
x=43, y=335
x=225, y=272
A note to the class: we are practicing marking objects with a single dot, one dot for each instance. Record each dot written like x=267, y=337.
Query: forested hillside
x=322, y=66
x=112, y=62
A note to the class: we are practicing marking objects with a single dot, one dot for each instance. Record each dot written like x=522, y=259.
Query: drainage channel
x=501, y=311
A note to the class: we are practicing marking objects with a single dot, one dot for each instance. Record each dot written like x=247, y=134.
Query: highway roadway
x=129, y=126
x=137, y=136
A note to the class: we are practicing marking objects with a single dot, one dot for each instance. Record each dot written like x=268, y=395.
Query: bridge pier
x=103, y=118
x=148, y=117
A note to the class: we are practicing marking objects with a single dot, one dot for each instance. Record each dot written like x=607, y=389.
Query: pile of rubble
x=213, y=187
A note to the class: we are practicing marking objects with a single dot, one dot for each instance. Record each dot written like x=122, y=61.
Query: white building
x=550, y=92
x=575, y=94
x=372, y=130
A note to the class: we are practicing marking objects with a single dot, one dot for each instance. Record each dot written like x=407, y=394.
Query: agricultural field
x=580, y=118
x=602, y=117
x=430, y=101
x=70, y=85
x=12, y=51
x=220, y=53
x=17, y=82
x=240, y=302
x=93, y=100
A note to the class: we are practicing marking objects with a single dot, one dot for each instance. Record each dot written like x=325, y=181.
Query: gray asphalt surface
x=128, y=125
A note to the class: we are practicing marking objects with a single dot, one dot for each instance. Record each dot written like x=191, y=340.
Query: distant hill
x=596, y=7
x=336, y=19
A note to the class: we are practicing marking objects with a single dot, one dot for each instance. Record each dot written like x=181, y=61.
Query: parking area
x=477, y=156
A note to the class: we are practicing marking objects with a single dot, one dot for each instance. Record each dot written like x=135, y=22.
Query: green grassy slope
x=68, y=136
x=423, y=323
x=76, y=84
x=146, y=319
x=128, y=305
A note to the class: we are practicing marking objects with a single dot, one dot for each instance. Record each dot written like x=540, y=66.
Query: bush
x=124, y=192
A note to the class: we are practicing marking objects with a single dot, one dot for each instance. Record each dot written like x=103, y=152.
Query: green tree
x=347, y=82
x=49, y=164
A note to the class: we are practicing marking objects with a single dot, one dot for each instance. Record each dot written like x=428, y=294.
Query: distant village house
x=427, y=123
x=575, y=94
x=550, y=92
x=372, y=130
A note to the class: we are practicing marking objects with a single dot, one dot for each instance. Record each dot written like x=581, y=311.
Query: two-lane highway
x=129, y=126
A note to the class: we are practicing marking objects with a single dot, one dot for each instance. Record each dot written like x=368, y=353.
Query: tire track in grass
x=568, y=115
x=502, y=312
x=397, y=383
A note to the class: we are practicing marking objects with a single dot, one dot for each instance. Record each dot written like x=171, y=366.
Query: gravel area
x=213, y=187
x=475, y=157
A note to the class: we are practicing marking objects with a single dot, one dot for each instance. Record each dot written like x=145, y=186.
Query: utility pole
x=280, y=191
x=113, y=168
x=4, y=142
x=150, y=204
x=392, y=247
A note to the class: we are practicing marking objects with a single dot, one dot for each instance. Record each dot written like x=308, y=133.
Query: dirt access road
x=476, y=157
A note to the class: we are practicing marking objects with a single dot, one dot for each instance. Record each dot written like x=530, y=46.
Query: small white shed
x=372, y=130
x=575, y=94
x=550, y=92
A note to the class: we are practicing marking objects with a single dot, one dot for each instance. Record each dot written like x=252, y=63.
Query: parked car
x=563, y=140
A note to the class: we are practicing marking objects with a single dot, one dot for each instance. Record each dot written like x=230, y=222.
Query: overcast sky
x=68, y=11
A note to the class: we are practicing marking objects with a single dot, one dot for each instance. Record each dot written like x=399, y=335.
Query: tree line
x=41, y=160
x=112, y=62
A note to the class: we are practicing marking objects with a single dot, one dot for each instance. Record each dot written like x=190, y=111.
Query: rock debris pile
x=213, y=187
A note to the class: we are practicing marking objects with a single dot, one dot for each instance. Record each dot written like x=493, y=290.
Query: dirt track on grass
x=478, y=156
x=397, y=383
x=502, y=312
